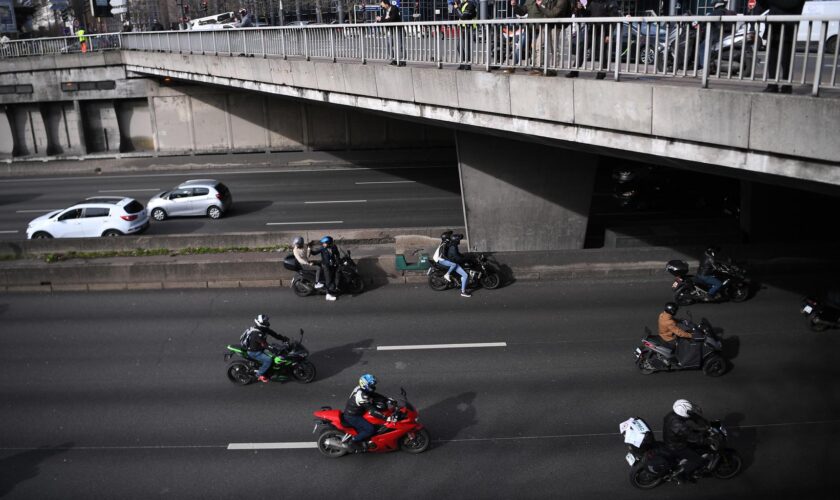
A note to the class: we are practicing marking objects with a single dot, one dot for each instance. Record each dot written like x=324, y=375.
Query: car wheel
x=214, y=212
x=159, y=214
x=41, y=235
x=111, y=233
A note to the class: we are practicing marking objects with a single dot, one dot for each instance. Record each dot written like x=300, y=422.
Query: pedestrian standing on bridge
x=82, y=40
x=780, y=62
x=546, y=9
x=465, y=10
x=391, y=13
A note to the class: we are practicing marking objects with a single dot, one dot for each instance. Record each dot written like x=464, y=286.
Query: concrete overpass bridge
x=527, y=145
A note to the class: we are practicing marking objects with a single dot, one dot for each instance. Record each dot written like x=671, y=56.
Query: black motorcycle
x=702, y=351
x=651, y=463
x=289, y=362
x=687, y=291
x=478, y=267
x=347, y=277
x=821, y=316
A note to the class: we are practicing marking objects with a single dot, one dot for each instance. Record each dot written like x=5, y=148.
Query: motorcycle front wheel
x=683, y=298
x=419, y=444
x=642, y=478
x=302, y=289
x=739, y=292
x=329, y=444
x=729, y=466
x=240, y=373
x=437, y=283
x=491, y=281
x=816, y=326
x=304, y=372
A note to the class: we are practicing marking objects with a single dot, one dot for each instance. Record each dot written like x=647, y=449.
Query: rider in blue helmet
x=330, y=258
x=361, y=401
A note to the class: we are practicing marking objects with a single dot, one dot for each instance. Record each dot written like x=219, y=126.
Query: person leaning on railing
x=774, y=59
x=392, y=15
x=546, y=9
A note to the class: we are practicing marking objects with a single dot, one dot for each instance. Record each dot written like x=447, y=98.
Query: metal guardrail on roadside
x=704, y=48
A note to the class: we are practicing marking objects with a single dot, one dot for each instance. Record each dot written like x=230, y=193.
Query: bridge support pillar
x=522, y=196
x=7, y=143
x=102, y=130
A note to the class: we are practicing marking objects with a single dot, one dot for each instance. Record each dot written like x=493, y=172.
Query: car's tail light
x=218, y=196
x=128, y=217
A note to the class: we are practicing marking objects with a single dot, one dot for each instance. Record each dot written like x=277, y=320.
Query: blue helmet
x=327, y=240
x=367, y=382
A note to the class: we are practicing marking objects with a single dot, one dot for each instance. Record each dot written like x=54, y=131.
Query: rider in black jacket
x=684, y=428
x=706, y=272
x=362, y=400
x=255, y=342
x=454, y=255
x=330, y=258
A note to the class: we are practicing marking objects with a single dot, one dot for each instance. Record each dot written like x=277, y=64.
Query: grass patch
x=142, y=252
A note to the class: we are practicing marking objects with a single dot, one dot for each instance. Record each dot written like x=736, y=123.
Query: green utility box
x=421, y=265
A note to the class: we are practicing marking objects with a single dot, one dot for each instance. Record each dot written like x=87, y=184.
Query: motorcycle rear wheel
x=419, y=444
x=816, y=327
x=240, y=373
x=644, y=364
x=304, y=372
x=491, y=281
x=729, y=466
x=302, y=289
x=714, y=366
x=642, y=478
x=437, y=283
x=328, y=450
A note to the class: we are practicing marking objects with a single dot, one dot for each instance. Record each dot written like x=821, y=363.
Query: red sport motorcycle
x=399, y=430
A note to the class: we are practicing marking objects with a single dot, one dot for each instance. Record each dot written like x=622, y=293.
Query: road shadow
x=449, y=417
x=742, y=439
x=25, y=465
x=332, y=361
x=247, y=207
x=11, y=199
x=373, y=275
x=176, y=225
x=505, y=274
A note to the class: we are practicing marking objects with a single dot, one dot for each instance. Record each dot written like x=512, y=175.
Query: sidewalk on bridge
x=377, y=265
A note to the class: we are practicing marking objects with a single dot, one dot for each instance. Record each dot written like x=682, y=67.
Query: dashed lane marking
x=333, y=201
x=386, y=182
x=438, y=346
x=299, y=223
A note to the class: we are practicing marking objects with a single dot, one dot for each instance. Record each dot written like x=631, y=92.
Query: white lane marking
x=36, y=211
x=438, y=346
x=298, y=223
x=9, y=232
x=387, y=182
x=272, y=446
x=128, y=190
x=334, y=201
x=195, y=175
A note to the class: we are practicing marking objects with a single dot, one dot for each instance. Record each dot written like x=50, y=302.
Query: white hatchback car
x=101, y=216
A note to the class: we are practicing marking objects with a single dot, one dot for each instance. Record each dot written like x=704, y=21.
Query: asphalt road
x=125, y=395
x=264, y=199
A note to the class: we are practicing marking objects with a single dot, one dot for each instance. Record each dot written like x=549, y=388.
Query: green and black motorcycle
x=289, y=363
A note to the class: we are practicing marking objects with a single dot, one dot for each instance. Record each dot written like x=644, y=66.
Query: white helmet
x=262, y=321
x=684, y=407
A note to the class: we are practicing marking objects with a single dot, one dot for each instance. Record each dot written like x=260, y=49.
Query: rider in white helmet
x=684, y=429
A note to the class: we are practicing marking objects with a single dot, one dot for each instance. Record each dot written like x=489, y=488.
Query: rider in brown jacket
x=668, y=329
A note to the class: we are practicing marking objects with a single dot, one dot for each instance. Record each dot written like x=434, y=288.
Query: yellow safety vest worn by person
x=81, y=35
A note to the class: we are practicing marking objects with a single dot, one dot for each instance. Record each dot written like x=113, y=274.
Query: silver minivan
x=195, y=197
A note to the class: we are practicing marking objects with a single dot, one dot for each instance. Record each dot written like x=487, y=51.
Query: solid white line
x=35, y=211
x=127, y=190
x=272, y=446
x=387, y=182
x=8, y=232
x=298, y=223
x=334, y=201
x=438, y=346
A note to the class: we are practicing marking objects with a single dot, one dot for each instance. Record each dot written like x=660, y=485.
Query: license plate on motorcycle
x=807, y=309
x=675, y=285
x=638, y=352
x=630, y=459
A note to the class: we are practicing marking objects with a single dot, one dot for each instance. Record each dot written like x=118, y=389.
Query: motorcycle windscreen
x=689, y=354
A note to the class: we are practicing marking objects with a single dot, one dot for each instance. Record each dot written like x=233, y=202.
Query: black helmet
x=712, y=251
x=671, y=308
x=457, y=238
x=298, y=241
x=446, y=236
x=262, y=321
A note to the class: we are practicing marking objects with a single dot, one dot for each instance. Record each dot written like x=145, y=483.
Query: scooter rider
x=685, y=427
x=330, y=258
x=668, y=329
x=254, y=341
x=302, y=256
x=706, y=272
x=361, y=401
x=454, y=257
x=440, y=254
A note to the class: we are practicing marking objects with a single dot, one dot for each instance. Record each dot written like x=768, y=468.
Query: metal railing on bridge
x=703, y=48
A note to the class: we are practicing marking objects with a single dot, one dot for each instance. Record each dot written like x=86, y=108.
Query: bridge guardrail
x=703, y=48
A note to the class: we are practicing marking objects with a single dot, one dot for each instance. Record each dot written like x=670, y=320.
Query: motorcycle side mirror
x=690, y=317
x=301, y=333
x=402, y=392
x=348, y=253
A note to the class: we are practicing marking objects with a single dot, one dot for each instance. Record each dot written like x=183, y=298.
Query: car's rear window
x=133, y=207
x=223, y=190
